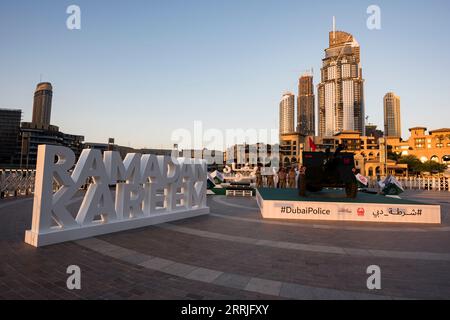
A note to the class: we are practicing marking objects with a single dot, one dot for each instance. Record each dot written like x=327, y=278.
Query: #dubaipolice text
x=238, y=309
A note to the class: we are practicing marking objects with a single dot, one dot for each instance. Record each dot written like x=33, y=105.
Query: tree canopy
x=416, y=166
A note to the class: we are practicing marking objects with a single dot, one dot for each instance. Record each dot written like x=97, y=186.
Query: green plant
x=433, y=167
x=394, y=156
x=414, y=164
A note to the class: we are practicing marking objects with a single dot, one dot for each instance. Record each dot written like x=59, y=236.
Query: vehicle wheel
x=351, y=190
x=302, y=186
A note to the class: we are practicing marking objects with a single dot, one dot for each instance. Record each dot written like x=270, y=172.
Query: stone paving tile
x=117, y=252
x=259, y=285
x=232, y=280
x=136, y=258
x=178, y=269
x=315, y=248
x=264, y=286
x=287, y=270
x=108, y=274
x=156, y=263
x=26, y=272
x=357, y=252
x=95, y=244
x=204, y=275
x=297, y=292
x=330, y=294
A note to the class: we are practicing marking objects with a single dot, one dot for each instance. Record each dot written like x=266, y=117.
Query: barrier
x=286, y=204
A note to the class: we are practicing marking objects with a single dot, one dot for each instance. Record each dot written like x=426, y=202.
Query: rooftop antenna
x=334, y=27
x=40, y=77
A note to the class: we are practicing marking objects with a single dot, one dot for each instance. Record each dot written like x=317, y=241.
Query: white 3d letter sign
x=149, y=190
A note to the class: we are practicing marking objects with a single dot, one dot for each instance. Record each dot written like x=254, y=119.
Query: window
x=420, y=143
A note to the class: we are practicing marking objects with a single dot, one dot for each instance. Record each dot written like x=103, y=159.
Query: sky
x=137, y=70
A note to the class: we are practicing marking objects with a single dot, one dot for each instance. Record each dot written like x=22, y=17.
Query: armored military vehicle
x=327, y=170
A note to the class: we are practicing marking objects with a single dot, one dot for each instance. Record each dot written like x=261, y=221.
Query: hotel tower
x=341, y=90
x=287, y=111
x=392, y=122
x=306, y=123
x=42, y=105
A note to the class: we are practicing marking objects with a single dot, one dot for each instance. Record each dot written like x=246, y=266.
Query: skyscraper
x=42, y=105
x=392, y=121
x=305, y=106
x=341, y=91
x=287, y=110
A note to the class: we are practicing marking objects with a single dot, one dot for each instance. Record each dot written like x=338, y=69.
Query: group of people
x=284, y=178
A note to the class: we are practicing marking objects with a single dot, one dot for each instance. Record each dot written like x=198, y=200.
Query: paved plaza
x=232, y=254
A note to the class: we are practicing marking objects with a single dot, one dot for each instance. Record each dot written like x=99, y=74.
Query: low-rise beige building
x=434, y=146
x=370, y=152
x=291, y=148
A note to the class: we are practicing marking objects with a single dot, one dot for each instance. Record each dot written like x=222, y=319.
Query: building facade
x=291, y=149
x=341, y=91
x=372, y=131
x=287, y=111
x=9, y=136
x=392, y=123
x=252, y=155
x=40, y=131
x=434, y=146
x=306, y=122
x=42, y=104
x=33, y=135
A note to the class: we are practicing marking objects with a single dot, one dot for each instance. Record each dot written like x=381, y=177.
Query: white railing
x=15, y=183
x=419, y=183
x=20, y=182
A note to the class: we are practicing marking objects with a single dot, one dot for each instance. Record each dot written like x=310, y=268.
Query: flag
x=217, y=177
x=362, y=181
x=312, y=145
x=210, y=182
x=391, y=186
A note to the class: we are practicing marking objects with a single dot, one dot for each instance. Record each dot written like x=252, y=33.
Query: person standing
x=270, y=181
x=259, y=180
x=301, y=184
x=282, y=176
x=292, y=177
